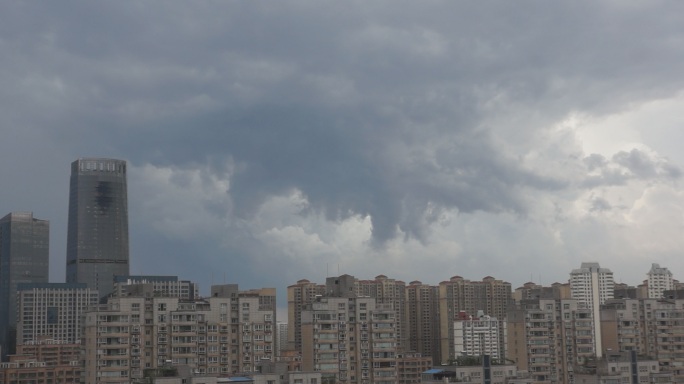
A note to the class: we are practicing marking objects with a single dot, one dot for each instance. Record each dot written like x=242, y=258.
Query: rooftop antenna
x=338, y=269
x=327, y=272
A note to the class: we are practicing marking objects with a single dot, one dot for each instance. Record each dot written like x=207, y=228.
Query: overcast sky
x=270, y=141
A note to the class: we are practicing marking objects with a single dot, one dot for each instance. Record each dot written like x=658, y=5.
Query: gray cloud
x=402, y=113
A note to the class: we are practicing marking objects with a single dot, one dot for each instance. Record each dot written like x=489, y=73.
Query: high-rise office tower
x=24, y=243
x=593, y=285
x=97, y=241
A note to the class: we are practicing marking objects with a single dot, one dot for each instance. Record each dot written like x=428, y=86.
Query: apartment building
x=167, y=286
x=478, y=335
x=299, y=295
x=231, y=331
x=593, y=285
x=281, y=338
x=350, y=340
x=52, y=311
x=389, y=291
x=659, y=280
x=477, y=371
x=410, y=365
x=43, y=362
x=621, y=367
x=622, y=326
x=457, y=295
x=422, y=319
x=548, y=337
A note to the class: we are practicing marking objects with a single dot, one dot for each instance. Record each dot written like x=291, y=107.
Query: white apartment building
x=477, y=336
x=281, y=338
x=659, y=280
x=593, y=285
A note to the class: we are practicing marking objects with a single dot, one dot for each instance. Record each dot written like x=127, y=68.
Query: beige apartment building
x=231, y=331
x=299, y=295
x=350, y=340
x=422, y=319
x=621, y=367
x=548, y=337
x=410, y=366
x=43, y=362
x=457, y=295
x=651, y=327
x=389, y=291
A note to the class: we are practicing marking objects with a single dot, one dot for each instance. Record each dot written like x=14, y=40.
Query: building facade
x=231, y=331
x=350, y=340
x=52, y=311
x=97, y=239
x=422, y=318
x=478, y=335
x=549, y=337
x=44, y=362
x=169, y=286
x=24, y=249
x=389, y=291
x=593, y=286
x=659, y=280
x=457, y=295
x=299, y=295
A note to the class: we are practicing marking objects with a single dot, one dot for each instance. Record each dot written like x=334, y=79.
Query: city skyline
x=271, y=143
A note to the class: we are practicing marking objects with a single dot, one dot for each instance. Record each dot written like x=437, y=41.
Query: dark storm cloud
x=379, y=109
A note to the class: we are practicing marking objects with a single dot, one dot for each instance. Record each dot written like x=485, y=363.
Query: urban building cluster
x=103, y=325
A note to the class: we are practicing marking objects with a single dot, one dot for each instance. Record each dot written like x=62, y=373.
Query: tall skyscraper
x=97, y=241
x=24, y=243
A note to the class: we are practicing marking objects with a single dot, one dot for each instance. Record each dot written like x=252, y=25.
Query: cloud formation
x=281, y=141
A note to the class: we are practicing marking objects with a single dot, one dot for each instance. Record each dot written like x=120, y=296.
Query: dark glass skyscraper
x=97, y=241
x=24, y=250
